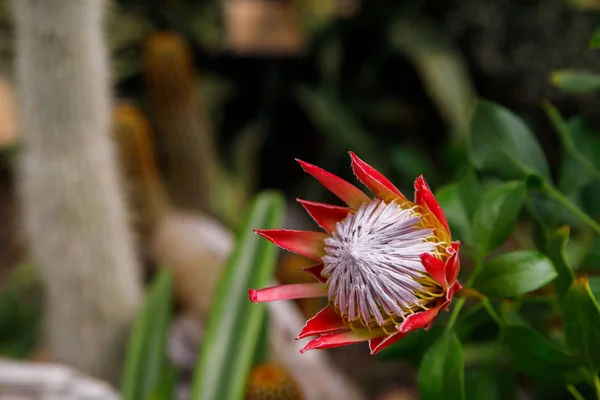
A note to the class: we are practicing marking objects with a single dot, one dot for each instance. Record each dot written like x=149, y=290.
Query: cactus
x=181, y=122
x=74, y=210
x=136, y=154
x=271, y=382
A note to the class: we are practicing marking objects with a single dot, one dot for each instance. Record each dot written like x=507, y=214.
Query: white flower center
x=373, y=259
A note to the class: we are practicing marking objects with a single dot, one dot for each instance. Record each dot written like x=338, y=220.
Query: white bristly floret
x=372, y=260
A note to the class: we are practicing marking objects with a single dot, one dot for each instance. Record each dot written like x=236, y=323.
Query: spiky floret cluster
x=387, y=265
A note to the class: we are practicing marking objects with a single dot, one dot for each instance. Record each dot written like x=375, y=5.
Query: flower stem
x=597, y=386
x=461, y=302
x=575, y=392
x=488, y=306
x=555, y=194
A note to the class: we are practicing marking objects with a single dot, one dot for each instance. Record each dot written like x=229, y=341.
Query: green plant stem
x=597, y=386
x=488, y=306
x=461, y=302
x=555, y=194
x=575, y=392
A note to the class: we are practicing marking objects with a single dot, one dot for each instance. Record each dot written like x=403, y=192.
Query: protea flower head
x=386, y=264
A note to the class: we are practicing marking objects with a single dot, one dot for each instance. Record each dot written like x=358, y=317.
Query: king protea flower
x=386, y=264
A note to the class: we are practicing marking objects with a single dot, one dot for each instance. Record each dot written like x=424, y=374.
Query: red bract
x=387, y=265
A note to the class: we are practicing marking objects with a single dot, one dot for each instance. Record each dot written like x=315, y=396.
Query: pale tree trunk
x=74, y=209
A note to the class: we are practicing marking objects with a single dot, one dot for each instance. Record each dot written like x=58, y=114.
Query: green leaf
x=441, y=375
x=595, y=39
x=502, y=144
x=146, y=351
x=449, y=198
x=555, y=250
x=582, y=324
x=470, y=191
x=442, y=70
x=515, y=273
x=234, y=326
x=491, y=384
x=564, y=132
x=595, y=287
x=575, y=81
x=497, y=214
x=535, y=356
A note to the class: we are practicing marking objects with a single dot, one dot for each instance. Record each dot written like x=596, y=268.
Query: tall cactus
x=181, y=121
x=74, y=209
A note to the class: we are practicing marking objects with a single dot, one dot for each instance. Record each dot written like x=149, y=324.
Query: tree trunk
x=74, y=209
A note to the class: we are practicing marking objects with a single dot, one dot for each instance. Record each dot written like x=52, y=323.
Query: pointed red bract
x=315, y=271
x=452, y=266
x=374, y=180
x=338, y=339
x=380, y=343
x=425, y=198
x=325, y=321
x=418, y=320
x=346, y=191
x=288, y=292
x=436, y=268
x=306, y=243
x=326, y=215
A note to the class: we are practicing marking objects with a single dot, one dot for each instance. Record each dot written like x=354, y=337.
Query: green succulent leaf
x=145, y=358
x=232, y=337
x=515, y=273
x=575, y=81
x=497, y=214
x=441, y=375
x=502, y=144
x=582, y=324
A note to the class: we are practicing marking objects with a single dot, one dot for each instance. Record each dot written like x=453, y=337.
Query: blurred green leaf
x=234, y=326
x=535, y=356
x=575, y=81
x=441, y=375
x=490, y=384
x=442, y=70
x=470, y=191
x=146, y=351
x=497, y=214
x=582, y=324
x=555, y=250
x=502, y=144
x=449, y=198
x=334, y=118
x=166, y=387
x=515, y=273
x=566, y=139
x=409, y=163
x=594, y=283
x=595, y=39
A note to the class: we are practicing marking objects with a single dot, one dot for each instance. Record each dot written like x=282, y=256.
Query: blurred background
x=213, y=100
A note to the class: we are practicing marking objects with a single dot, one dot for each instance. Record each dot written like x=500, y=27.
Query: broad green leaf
x=502, y=144
x=555, y=250
x=575, y=81
x=234, y=326
x=146, y=351
x=535, y=356
x=515, y=273
x=441, y=375
x=497, y=214
x=582, y=324
x=470, y=191
x=448, y=197
x=413, y=346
